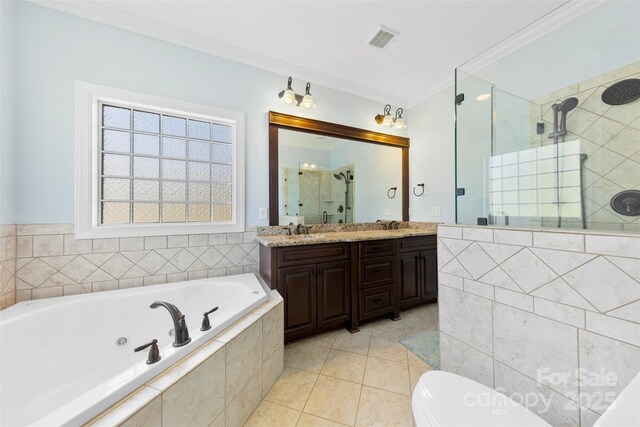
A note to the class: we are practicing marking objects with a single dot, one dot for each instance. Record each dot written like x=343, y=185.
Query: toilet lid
x=446, y=399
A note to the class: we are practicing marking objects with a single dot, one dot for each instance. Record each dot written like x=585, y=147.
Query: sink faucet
x=301, y=229
x=384, y=225
x=394, y=225
x=179, y=324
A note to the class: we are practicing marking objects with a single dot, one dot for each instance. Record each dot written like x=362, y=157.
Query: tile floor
x=344, y=379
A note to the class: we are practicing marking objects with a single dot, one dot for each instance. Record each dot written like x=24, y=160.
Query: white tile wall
x=50, y=262
x=552, y=302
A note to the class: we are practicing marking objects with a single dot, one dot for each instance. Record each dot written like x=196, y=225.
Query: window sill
x=140, y=230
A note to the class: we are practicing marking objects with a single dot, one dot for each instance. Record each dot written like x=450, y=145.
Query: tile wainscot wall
x=525, y=312
x=50, y=262
x=7, y=265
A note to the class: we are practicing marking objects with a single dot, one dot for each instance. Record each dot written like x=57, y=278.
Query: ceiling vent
x=382, y=37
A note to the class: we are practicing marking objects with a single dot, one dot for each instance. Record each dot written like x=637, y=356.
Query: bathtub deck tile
x=236, y=329
x=137, y=401
x=198, y=398
x=182, y=368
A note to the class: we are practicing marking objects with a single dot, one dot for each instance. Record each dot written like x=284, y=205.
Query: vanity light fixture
x=292, y=98
x=385, y=118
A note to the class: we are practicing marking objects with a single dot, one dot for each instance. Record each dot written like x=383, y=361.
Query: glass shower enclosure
x=541, y=146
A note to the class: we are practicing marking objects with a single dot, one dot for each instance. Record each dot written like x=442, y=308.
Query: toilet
x=446, y=399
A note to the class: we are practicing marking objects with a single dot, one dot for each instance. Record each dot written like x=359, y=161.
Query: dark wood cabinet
x=409, y=281
x=418, y=282
x=298, y=289
x=332, y=285
x=333, y=293
x=314, y=281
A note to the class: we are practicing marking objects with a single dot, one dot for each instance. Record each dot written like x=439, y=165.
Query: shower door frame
x=302, y=124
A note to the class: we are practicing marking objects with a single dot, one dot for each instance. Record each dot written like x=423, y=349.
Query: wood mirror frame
x=285, y=121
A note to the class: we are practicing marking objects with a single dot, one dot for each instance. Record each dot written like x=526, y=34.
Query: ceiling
x=325, y=42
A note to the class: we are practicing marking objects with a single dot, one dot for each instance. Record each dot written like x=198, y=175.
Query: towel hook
x=394, y=189
x=414, y=190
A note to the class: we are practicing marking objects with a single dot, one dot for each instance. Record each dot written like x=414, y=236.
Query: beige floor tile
x=323, y=340
x=292, y=388
x=288, y=349
x=387, y=375
x=271, y=415
x=394, y=330
x=345, y=366
x=354, y=343
x=415, y=372
x=416, y=361
x=307, y=420
x=387, y=349
x=424, y=318
x=307, y=357
x=383, y=408
x=334, y=399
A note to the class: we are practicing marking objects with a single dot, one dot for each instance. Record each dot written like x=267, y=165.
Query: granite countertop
x=343, y=236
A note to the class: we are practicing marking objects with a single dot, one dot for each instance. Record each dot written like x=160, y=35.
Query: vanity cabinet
x=332, y=285
x=315, y=284
x=376, y=278
x=418, y=271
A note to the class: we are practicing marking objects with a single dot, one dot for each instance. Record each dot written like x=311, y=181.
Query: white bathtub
x=60, y=362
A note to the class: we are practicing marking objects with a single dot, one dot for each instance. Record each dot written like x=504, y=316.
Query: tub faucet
x=179, y=324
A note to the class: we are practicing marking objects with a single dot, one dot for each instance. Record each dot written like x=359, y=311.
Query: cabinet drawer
x=375, y=302
x=312, y=254
x=417, y=243
x=376, y=272
x=377, y=248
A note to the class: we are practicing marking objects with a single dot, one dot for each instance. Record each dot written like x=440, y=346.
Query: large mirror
x=324, y=173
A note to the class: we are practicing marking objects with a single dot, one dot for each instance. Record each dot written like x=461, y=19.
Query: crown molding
x=537, y=29
x=99, y=12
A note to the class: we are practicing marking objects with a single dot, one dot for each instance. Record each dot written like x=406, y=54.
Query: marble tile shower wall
x=7, y=265
x=609, y=136
x=552, y=317
x=50, y=262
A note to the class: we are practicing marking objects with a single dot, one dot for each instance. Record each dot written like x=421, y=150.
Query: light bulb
x=400, y=124
x=387, y=121
x=306, y=165
x=289, y=96
x=307, y=101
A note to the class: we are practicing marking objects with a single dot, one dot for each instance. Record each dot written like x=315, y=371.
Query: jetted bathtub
x=62, y=360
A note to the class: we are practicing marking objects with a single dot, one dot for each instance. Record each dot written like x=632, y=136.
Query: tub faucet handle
x=206, y=325
x=154, y=352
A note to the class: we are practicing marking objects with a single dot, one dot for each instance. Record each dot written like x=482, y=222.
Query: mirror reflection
x=327, y=180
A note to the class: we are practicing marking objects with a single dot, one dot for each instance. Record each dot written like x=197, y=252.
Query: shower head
x=568, y=105
x=339, y=176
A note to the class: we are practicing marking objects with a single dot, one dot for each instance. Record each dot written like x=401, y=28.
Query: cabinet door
x=333, y=293
x=298, y=288
x=429, y=275
x=410, y=279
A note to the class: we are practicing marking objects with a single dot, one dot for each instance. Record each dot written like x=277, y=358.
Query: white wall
x=431, y=157
x=51, y=50
x=6, y=137
x=598, y=41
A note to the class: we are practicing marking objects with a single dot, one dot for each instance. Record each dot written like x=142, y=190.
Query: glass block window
x=159, y=168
